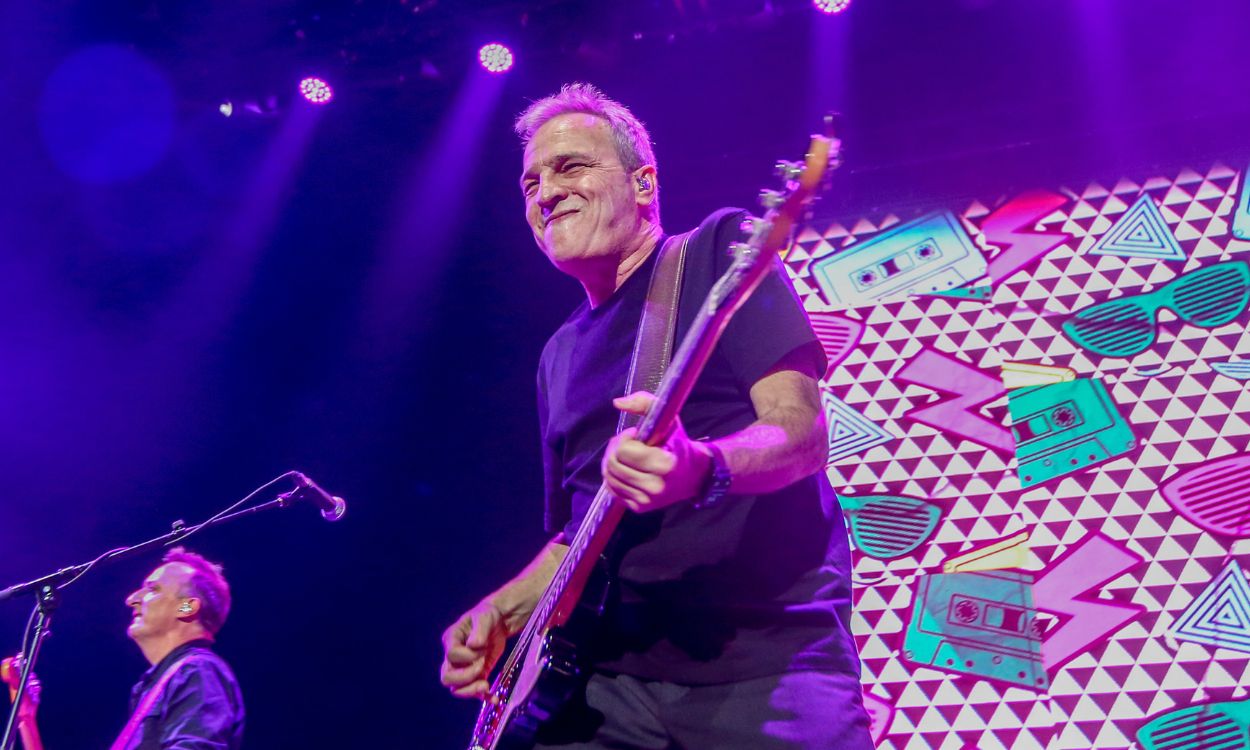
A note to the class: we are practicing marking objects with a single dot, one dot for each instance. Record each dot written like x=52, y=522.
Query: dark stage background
x=353, y=292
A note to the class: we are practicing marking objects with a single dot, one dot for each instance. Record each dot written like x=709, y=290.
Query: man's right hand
x=470, y=649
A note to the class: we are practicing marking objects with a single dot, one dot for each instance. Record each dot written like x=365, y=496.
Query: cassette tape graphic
x=1241, y=218
x=980, y=623
x=931, y=254
x=1064, y=428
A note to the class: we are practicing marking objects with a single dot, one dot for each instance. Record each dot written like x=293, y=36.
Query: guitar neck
x=605, y=513
x=29, y=733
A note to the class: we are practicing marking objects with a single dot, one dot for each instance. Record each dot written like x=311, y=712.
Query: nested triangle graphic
x=850, y=432
x=1229, y=616
x=1140, y=233
x=1220, y=615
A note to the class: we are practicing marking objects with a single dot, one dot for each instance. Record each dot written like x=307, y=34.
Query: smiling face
x=156, y=604
x=581, y=203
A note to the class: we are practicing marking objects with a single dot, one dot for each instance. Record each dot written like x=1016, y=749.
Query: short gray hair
x=629, y=135
x=207, y=583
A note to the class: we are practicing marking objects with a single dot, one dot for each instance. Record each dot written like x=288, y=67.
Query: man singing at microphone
x=189, y=698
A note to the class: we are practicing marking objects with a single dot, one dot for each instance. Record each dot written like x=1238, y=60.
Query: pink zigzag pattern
x=1018, y=246
x=1065, y=587
x=967, y=388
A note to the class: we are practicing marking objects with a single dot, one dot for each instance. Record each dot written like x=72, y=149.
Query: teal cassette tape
x=927, y=255
x=979, y=623
x=1065, y=427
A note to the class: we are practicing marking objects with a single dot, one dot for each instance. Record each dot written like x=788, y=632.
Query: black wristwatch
x=718, y=480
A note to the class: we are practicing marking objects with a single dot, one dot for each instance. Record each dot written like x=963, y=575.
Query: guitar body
x=535, y=689
x=545, y=672
x=550, y=673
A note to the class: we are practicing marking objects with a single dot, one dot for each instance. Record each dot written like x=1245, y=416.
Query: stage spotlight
x=495, y=57
x=316, y=90
x=831, y=6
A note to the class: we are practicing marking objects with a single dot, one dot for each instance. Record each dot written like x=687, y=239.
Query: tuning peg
x=789, y=170
x=752, y=225
x=771, y=199
x=741, y=250
x=833, y=124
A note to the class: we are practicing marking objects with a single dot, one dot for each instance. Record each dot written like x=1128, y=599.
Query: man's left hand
x=648, y=478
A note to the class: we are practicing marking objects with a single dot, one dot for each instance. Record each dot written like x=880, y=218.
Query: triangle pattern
x=1184, y=413
x=1220, y=615
x=850, y=433
x=1140, y=233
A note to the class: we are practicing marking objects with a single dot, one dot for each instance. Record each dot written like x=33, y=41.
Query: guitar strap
x=653, y=347
x=145, y=705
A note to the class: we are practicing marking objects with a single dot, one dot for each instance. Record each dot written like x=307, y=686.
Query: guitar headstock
x=784, y=207
x=11, y=675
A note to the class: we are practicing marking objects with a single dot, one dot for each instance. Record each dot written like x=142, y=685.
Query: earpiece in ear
x=644, y=183
x=185, y=608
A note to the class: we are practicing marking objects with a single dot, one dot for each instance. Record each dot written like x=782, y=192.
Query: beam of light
x=831, y=6
x=829, y=68
x=1106, y=78
x=316, y=90
x=495, y=57
x=429, y=214
x=431, y=207
x=204, y=306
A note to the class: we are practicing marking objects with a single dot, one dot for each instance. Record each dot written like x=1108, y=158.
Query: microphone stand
x=49, y=587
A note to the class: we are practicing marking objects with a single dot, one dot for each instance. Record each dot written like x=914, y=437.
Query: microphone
x=332, y=507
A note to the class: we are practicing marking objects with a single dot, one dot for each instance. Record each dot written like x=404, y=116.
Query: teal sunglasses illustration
x=1207, y=297
x=889, y=526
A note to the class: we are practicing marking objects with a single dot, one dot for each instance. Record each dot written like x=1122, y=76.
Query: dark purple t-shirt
x=752, y=586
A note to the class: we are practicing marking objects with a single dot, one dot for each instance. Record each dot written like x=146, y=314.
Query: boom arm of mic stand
x=180, y=530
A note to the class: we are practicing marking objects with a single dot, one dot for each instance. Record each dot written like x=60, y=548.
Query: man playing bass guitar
x=727, y=624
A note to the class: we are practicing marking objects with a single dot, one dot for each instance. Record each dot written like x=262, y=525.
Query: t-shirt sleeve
x=557, y=504
x=771, y=324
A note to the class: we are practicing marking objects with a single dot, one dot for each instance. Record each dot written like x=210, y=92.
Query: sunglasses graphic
x=889, y=526
x=1206, y=726
x=838, y=335
x=1214, y=496
x=1207, y=297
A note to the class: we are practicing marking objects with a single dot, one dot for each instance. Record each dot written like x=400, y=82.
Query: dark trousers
x=794, y=711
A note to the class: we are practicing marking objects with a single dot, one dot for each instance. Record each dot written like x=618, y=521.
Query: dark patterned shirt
x=201, y=707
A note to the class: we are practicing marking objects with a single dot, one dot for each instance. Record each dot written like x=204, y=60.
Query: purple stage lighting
x=831, y=6
x=495, y=57
x=316, y=90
